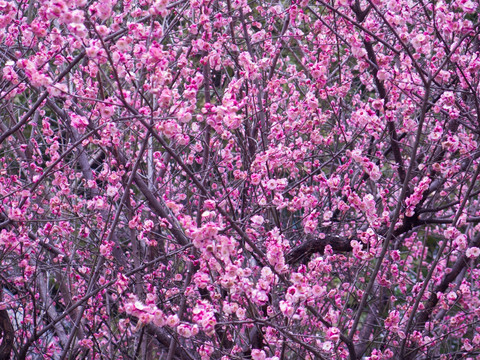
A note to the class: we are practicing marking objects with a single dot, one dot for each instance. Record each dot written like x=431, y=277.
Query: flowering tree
x=231, y=179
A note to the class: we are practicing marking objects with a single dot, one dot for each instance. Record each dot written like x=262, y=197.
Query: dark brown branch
x=459, y=265
x=164, y=339
x=394, y=141
x=317, y=245
x=371, y=321
x=7, y=333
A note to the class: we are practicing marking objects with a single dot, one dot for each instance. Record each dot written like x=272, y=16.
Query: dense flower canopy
x=239, y=179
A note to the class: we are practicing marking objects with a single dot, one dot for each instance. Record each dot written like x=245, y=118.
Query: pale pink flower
x=184, y=330
x=79, y=122
x=258, y=354
x=255, y=179
x=333, y=334
x=327, y=346
x=473, y=252
x=257, y=220
x=461, y=242
x=15, y=214
x=172, y=320
x=241, y=313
